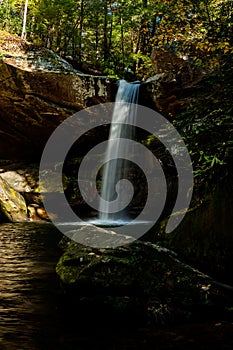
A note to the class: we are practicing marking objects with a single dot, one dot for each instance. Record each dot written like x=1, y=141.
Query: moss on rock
x=12, y=205
x=139, y=278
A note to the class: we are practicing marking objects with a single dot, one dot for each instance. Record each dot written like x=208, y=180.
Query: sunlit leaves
x=112, y=34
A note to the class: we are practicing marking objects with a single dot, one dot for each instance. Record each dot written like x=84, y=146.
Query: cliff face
x=38, y=90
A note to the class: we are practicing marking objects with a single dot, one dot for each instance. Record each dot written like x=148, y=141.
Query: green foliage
x=229, y=309
x=114, y=37
x=206, y=125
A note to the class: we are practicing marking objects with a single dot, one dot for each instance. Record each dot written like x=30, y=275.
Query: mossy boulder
x=139, y=280
x=12, y=205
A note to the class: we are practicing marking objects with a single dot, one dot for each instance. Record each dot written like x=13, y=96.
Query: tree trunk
x=106, y=31
x=122, y=43
x=81, y=31
x=24, y=34
x=110, y=33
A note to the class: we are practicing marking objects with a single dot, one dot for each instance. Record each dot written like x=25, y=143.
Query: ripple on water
x=28, y=284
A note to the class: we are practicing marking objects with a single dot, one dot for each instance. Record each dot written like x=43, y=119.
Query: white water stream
x=116, y=169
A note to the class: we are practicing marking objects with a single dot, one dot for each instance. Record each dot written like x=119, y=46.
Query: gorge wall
x=38, y=91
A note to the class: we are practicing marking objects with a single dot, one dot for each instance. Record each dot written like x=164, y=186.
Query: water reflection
x=33, y=316
x=28, y=283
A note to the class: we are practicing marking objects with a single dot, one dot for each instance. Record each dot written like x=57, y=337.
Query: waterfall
x=116, y=169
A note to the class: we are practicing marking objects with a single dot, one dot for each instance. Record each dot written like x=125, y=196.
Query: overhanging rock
x=38, y=91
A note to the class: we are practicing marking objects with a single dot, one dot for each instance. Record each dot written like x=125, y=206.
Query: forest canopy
x=115, y=37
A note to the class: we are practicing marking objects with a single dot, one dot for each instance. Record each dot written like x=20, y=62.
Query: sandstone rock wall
x=175, y=78
x=39, y=90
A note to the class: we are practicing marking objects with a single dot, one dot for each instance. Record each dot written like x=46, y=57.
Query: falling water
x=117, y=168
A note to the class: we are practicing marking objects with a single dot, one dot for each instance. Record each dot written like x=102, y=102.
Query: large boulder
x=12, y=205
x=205, y=236
x=24, y=180
x=38, y=91
x=180, y=68
x=22, y=177
x=175, y=78
x=140, y=281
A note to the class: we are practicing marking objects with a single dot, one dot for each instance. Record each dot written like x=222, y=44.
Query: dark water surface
x=28, y=284
x=32, y=315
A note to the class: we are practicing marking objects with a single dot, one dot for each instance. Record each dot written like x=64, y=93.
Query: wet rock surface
x=140, y=280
